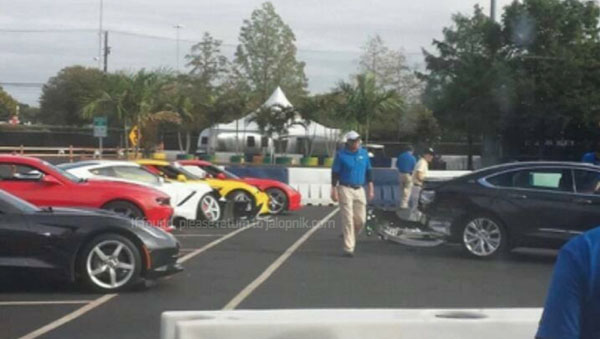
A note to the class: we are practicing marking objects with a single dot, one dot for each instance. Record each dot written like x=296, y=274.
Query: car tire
x=280, y=199
x=484, y=237
x=110, y=263
x=240, y=195
x=209, y=208
x=126, y=209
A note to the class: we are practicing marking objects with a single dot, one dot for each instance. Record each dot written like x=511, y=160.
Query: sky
x=40, y=37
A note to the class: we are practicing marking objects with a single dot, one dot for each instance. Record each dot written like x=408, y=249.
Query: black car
x=101, y=249
x=529, y=204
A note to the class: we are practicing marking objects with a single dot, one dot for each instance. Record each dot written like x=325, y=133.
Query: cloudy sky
x=39, y=37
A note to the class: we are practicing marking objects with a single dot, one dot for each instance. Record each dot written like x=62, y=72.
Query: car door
x=537, y=202
x=15, y=240
x=585, y=205
x=30, y=184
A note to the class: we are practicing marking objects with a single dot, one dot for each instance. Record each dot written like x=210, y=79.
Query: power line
x=22, y=84
x=160, y=37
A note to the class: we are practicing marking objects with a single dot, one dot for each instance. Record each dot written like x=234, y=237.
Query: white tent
x=228, y=136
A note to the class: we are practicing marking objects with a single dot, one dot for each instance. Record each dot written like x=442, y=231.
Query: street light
x=177, y=28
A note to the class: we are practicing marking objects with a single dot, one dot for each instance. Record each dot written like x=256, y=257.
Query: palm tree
x=129, y=97
x=365, y=101
x=112, y=101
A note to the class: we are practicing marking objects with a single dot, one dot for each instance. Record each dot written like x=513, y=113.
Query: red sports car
x=282, y=197
x=44, y=184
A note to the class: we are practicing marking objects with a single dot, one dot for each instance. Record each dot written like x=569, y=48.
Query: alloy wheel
x=110, y=264
x=210, y=208
x=482, y=237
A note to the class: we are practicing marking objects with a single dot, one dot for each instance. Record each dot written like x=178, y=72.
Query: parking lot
x=282, y=263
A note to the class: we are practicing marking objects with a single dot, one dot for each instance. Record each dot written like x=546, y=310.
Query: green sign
x=100, y=127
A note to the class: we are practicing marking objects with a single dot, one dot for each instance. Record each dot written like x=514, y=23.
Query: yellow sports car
x=258, y=201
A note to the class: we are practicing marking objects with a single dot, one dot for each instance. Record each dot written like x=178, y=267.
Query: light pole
x=100, y=34
x=493, y=10
x=177, y=28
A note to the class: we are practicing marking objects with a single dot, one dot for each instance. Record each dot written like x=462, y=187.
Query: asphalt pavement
x=283, y=262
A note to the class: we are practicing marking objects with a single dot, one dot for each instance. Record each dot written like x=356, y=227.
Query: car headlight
x=427, y=197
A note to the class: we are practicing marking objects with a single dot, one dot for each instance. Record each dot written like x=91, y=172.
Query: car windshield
x=63, y=172
x=136, y=174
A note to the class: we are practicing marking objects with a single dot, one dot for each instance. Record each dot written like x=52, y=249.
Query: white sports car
x=189, y=201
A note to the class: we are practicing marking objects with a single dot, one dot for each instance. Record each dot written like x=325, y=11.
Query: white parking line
x=43, y=302
x=107, y=297
x=214, y=243
x=71, y=316
x=238, y=299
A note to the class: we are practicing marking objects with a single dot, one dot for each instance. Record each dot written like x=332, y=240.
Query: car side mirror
x=221, y=176
x=181, y=178
x=50, y=180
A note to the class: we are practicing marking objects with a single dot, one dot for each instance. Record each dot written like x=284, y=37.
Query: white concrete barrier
x=520, y=323
x=313, y=183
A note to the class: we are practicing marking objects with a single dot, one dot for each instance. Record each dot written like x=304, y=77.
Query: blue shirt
x=591, y=158
x=406, y=162
x=352, y=167
x=572, y=308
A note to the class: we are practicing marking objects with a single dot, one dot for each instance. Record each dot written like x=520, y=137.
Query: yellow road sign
x=135, y=136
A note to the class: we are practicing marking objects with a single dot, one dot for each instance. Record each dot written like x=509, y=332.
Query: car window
x=104, y=171
x=135, y=173
x=587, y=182
x=196, y=170
x=19, y=172
x=541, y=179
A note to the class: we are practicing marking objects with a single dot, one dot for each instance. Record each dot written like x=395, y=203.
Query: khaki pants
x=406, y=184
x=353, y=208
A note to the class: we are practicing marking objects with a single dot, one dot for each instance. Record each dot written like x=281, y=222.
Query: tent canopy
x=296, y=126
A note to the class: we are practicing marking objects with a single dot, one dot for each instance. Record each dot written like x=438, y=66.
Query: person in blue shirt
x=593, y=157
x=572, y=309
x=351, y=170
x=406, y=164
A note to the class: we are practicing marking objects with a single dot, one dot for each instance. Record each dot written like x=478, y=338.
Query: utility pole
x=106, y=51
x=177, y=28
x=493, y=10
x=100, y=34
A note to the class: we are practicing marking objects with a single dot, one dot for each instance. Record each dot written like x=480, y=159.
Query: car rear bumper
x=294, y=201
x=161, y=217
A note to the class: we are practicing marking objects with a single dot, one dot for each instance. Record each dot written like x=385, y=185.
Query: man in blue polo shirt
x=406, y=165
x=350, y=171
x=593, y=157
x=572, y=309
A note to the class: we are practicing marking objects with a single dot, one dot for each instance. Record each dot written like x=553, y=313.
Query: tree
x=553, y=49
x=65, y=95
x=468, y=80
x=326, y=109
x=266, y=55
x=208, y=65
x=273, y=122
x=8, y=105
x=130, y=98
x=364, y=102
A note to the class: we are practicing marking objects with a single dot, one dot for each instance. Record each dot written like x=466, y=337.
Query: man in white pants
x=419, y=175
x=350, y=171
